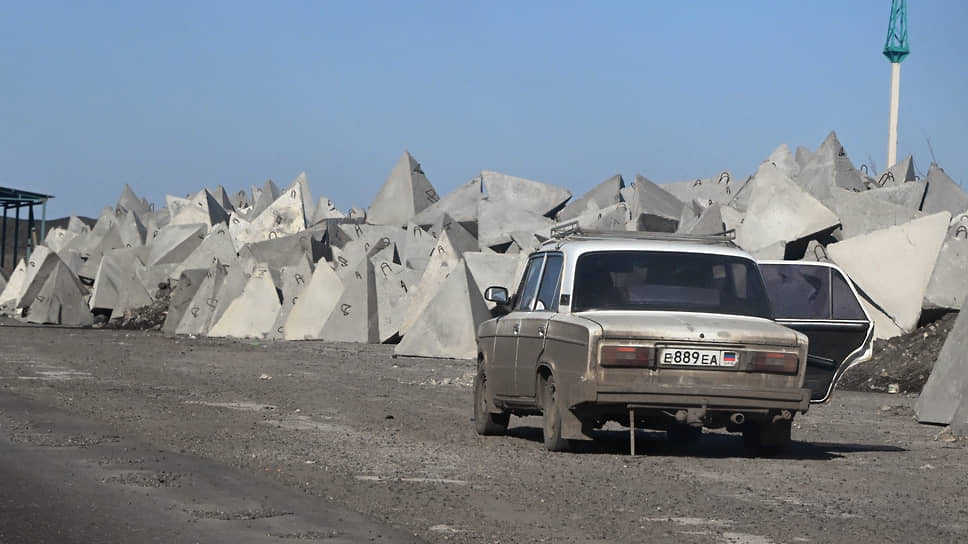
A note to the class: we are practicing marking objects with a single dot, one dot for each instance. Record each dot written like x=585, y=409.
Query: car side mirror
x=497, y=295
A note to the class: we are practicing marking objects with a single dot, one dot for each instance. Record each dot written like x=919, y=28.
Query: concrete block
x=29, y=272
x=215, y=246
x=355, y=317
x=949, y=282
x=894, y=265
x=784, y=161
x=130, y=202
x=710, y=222
x=447, y=326
x=829, y=167
x=264, y=197
x=943, y=194
x=897, y=175
x=308, y=204
x=539, y=198
x=3, y=281
x=325, y=209
x=947, y=386
x=60, y=300
x=253, y=312
x=780, y=212
x=284, y=216
x=132, y=230
x=75, y=225
x=615, y=217
x=393, y=284
x=443, y=260
x=415, y=253
x=959, y=423
x=406, y=192
x=603, y=195
x=315, y=304
x=187, y=285
x=290, y=282
x=460, y=237
x=653, y=208
x=494, y=270
x=285, y=251
x=460, y=204
x=116, y=279
x=884, y=327
x=199, y=208
x=222, y=197
x=862, y=213
x=498, y=218
x=222, y=284
x=57, y=238
x=909, y=195
x=718, y=189
x=175, y=243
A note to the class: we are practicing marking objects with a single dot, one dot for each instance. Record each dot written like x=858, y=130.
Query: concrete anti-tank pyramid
x=443, y=259
x=718, y=189
x=603, y=195
x=253, y=312
x=132, y=230
x=780, y=212
x=909, y=195
x=325, y=209
x=315, y=304
x=58, y=239
x=284, y=216
x=117, y=279
x=447, y=326
x=216, y=246
x=536, y=197
x=460, y=237
x=494, y=270
x=393, y=284
x=222, y=284
x=355, y=317
x=460, y=204
x=201, y=207
x=829, y=167
x=949, y=282
x=309, y=205
x=292, y=281
x=862, y=213
x=653, y=208
x=611, y=218
x=894, y=265
x=174, y=243
x=498, y=219
x=405, y=193
x=188, y=284
x=899, y=174
x=39, y=264
x=947, y=386
x=943, y=194
x=264, y=198
x=130, y=202
x=60, y=300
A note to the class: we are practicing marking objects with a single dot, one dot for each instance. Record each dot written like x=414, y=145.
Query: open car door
x=818, y=300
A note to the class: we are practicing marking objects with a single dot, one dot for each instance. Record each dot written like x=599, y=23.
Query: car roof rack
x=570, y=230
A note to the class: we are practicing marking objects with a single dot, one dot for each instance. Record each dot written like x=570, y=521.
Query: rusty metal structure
x=16, y=199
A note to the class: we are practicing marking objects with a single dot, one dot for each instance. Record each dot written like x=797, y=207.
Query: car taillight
x=629, y=356
x=781, y=363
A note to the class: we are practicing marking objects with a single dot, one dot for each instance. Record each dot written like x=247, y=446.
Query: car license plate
x=697, y=357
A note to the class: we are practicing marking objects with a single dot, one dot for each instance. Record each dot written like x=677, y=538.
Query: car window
x=845, y=303
x=548, y=292
x=669, y=281
x=798, y=291
x=529, y=285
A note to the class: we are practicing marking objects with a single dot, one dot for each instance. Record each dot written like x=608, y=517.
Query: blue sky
x=171, y=97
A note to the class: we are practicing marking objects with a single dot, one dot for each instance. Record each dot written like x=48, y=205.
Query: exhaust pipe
x=738, y=418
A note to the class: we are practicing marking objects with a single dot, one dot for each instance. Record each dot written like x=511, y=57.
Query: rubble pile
x=277, y=263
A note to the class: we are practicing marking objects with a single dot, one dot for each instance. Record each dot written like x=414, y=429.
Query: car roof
x=578, y=246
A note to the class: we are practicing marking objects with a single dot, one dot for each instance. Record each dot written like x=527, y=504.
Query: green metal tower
x=895, y=49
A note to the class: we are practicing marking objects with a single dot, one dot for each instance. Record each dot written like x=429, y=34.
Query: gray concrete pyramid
x=910, y=194
x=347, y=259
x=902, y=172
x=460, y=237
x=498, y=218
x=949, y=282
x=116, y=278
x=780, y=212
x=710, y=222
x=219, y=288
x=222, y=197
x=785, y=161
x=292, y=281
x=181, y=297
x=861, y=213
x=315, y=304
x=443, y=260
x=132, y=230
x=959, y=424
x=40, y=262
x=943, y=194
x=39, y=266
x=460, y=204
x=372, y=236
x=615, y=217
x=263, y=197
x=829, y=167
x=494, y=270
x=603, y=195
x=75, y=225
x=241, y=201
x=60, y=300
x=884, y=326
x=284, y=216
x=156, y=221
x=94, y=247
x=947, y=386
x=536, y=197
x=253, y=312
x=718, y=189
x=415, y=253
x=174, y=243
x=130, y=202
x=202, y=207
x=405, y=193
x=309, y=205
x=803, y=156
x=325, y=209
x=216, y=246
x=447, y=326
x=284, y=251
x=393, y=284
x=355, y=317
x=894, y=265
x=653, y=208
x=58, y=239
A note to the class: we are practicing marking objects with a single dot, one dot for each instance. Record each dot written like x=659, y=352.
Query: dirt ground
x=391, y=439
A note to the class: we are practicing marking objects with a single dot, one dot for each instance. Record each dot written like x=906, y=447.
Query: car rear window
x=669, y=281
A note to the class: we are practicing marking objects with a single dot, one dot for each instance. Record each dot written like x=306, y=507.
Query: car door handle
x=516, y=328
x=541, y=331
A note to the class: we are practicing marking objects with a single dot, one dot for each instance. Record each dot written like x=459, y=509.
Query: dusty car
x=665, y=332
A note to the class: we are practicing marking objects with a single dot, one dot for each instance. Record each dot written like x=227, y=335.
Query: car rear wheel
x=485, y=422
x=552, y=416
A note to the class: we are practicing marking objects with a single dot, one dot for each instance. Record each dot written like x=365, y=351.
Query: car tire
x=486, y=422
x=768, y=439
x=552, y=416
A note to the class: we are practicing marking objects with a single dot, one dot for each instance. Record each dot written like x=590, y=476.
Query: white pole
x=892, y=127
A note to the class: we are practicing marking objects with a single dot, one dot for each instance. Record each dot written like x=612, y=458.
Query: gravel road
x=312, y=441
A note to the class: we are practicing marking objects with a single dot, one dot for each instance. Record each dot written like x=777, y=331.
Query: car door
x=534, y=324
x=818, y=300
x=501, y=376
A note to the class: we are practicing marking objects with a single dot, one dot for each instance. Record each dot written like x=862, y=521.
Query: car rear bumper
x=710, y=398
